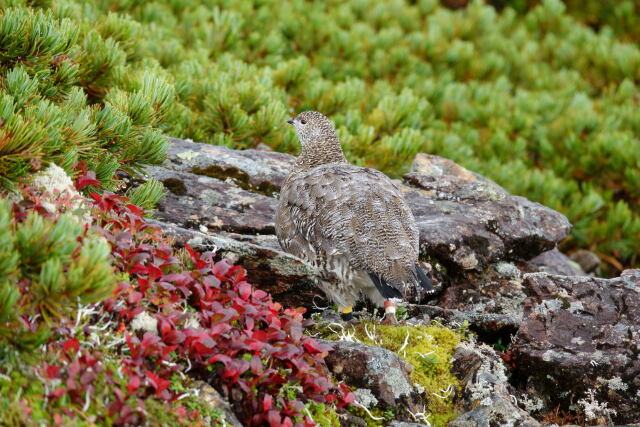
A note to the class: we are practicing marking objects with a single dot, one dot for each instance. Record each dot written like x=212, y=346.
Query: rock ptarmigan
x=351, y=223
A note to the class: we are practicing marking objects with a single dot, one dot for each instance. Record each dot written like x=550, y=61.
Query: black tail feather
x=385, y=289
x=424, y=280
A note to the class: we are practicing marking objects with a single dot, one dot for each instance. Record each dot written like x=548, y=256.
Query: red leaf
x=267, y=402
x=296, y=332
x=194, y=255
x=87, y=377
x=260, y=294
x=149, y=339
x=134, y=297
x=154, y=272
x=135, y=209
x=86, y=180
x=58, y=392
x=314, y=346
x=156, y=382
x=173, y=337
x=72, y=344
x=134, y=383
x=219, y=358
x=138, y=269
x=273, y=417
x=52, y=371
x=245, y=291
x=143, y=284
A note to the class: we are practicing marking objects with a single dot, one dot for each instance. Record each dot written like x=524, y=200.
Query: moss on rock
x=429, y=350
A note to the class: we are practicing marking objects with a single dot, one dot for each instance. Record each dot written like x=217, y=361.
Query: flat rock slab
x=470, y=221
x=582, y=333
x=465, y=220
x=197, y=201
x=254, y=170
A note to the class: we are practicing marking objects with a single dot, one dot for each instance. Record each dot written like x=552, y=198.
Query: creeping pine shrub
x=622, y=17
x=171, y=313
x=69, y=94
x=48, y=265
x=534, y=100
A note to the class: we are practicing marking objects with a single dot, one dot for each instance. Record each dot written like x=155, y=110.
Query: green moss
x=322, y=415
x=429, y=350
x=386, y=416
x=15, y=388
x=157, y=411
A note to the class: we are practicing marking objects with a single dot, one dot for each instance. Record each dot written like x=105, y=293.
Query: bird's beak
x=290, y=121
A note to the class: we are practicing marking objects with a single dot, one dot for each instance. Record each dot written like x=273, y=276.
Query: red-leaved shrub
x=234, y=336
x=202, y=319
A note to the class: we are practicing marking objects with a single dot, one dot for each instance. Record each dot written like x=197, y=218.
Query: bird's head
x=313, y=129
x=319, y=140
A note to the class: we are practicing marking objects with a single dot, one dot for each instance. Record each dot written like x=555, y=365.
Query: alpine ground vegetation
x=527, y=95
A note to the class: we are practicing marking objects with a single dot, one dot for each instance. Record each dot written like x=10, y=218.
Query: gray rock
x=486, y=325
x=257, y=171
x=580, y=334
x=349, y=420
x=211, y=397
x=486, y=393
x=468, y=221
x=381, y=371
x=201, y=202
x=554, y=262
x=587, y=260
x=365, y=398
x=405, y=424
x=490, y=300
x=501, y=412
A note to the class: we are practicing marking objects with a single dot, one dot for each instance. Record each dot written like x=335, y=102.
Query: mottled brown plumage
x=352, y=223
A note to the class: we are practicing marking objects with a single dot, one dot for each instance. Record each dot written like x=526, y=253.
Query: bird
x=351, y=223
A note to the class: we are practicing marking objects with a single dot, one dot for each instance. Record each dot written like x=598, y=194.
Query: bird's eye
x=304, y=122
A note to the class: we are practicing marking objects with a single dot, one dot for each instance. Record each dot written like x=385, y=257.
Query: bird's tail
x=420, y=284
x=384, y=287
x=423, y=279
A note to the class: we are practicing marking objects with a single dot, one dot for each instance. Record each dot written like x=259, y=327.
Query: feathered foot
x=389, y=318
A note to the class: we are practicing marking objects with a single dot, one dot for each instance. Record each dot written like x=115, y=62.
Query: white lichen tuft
x=531, y=404
x=490, y=377
x=365, y=397
x=343, y=334
x=614, y=383
x=54, y=179
x=593, y=410
x=56, y=185
x=192, y=323
x=507, y=270
x=143, y=321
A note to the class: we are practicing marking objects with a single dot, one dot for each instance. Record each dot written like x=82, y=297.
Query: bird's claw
x=389, y=320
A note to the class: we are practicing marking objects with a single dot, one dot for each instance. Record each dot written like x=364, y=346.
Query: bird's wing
x=341, y=209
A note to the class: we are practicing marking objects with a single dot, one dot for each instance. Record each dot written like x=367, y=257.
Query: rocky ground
x=550, y=343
